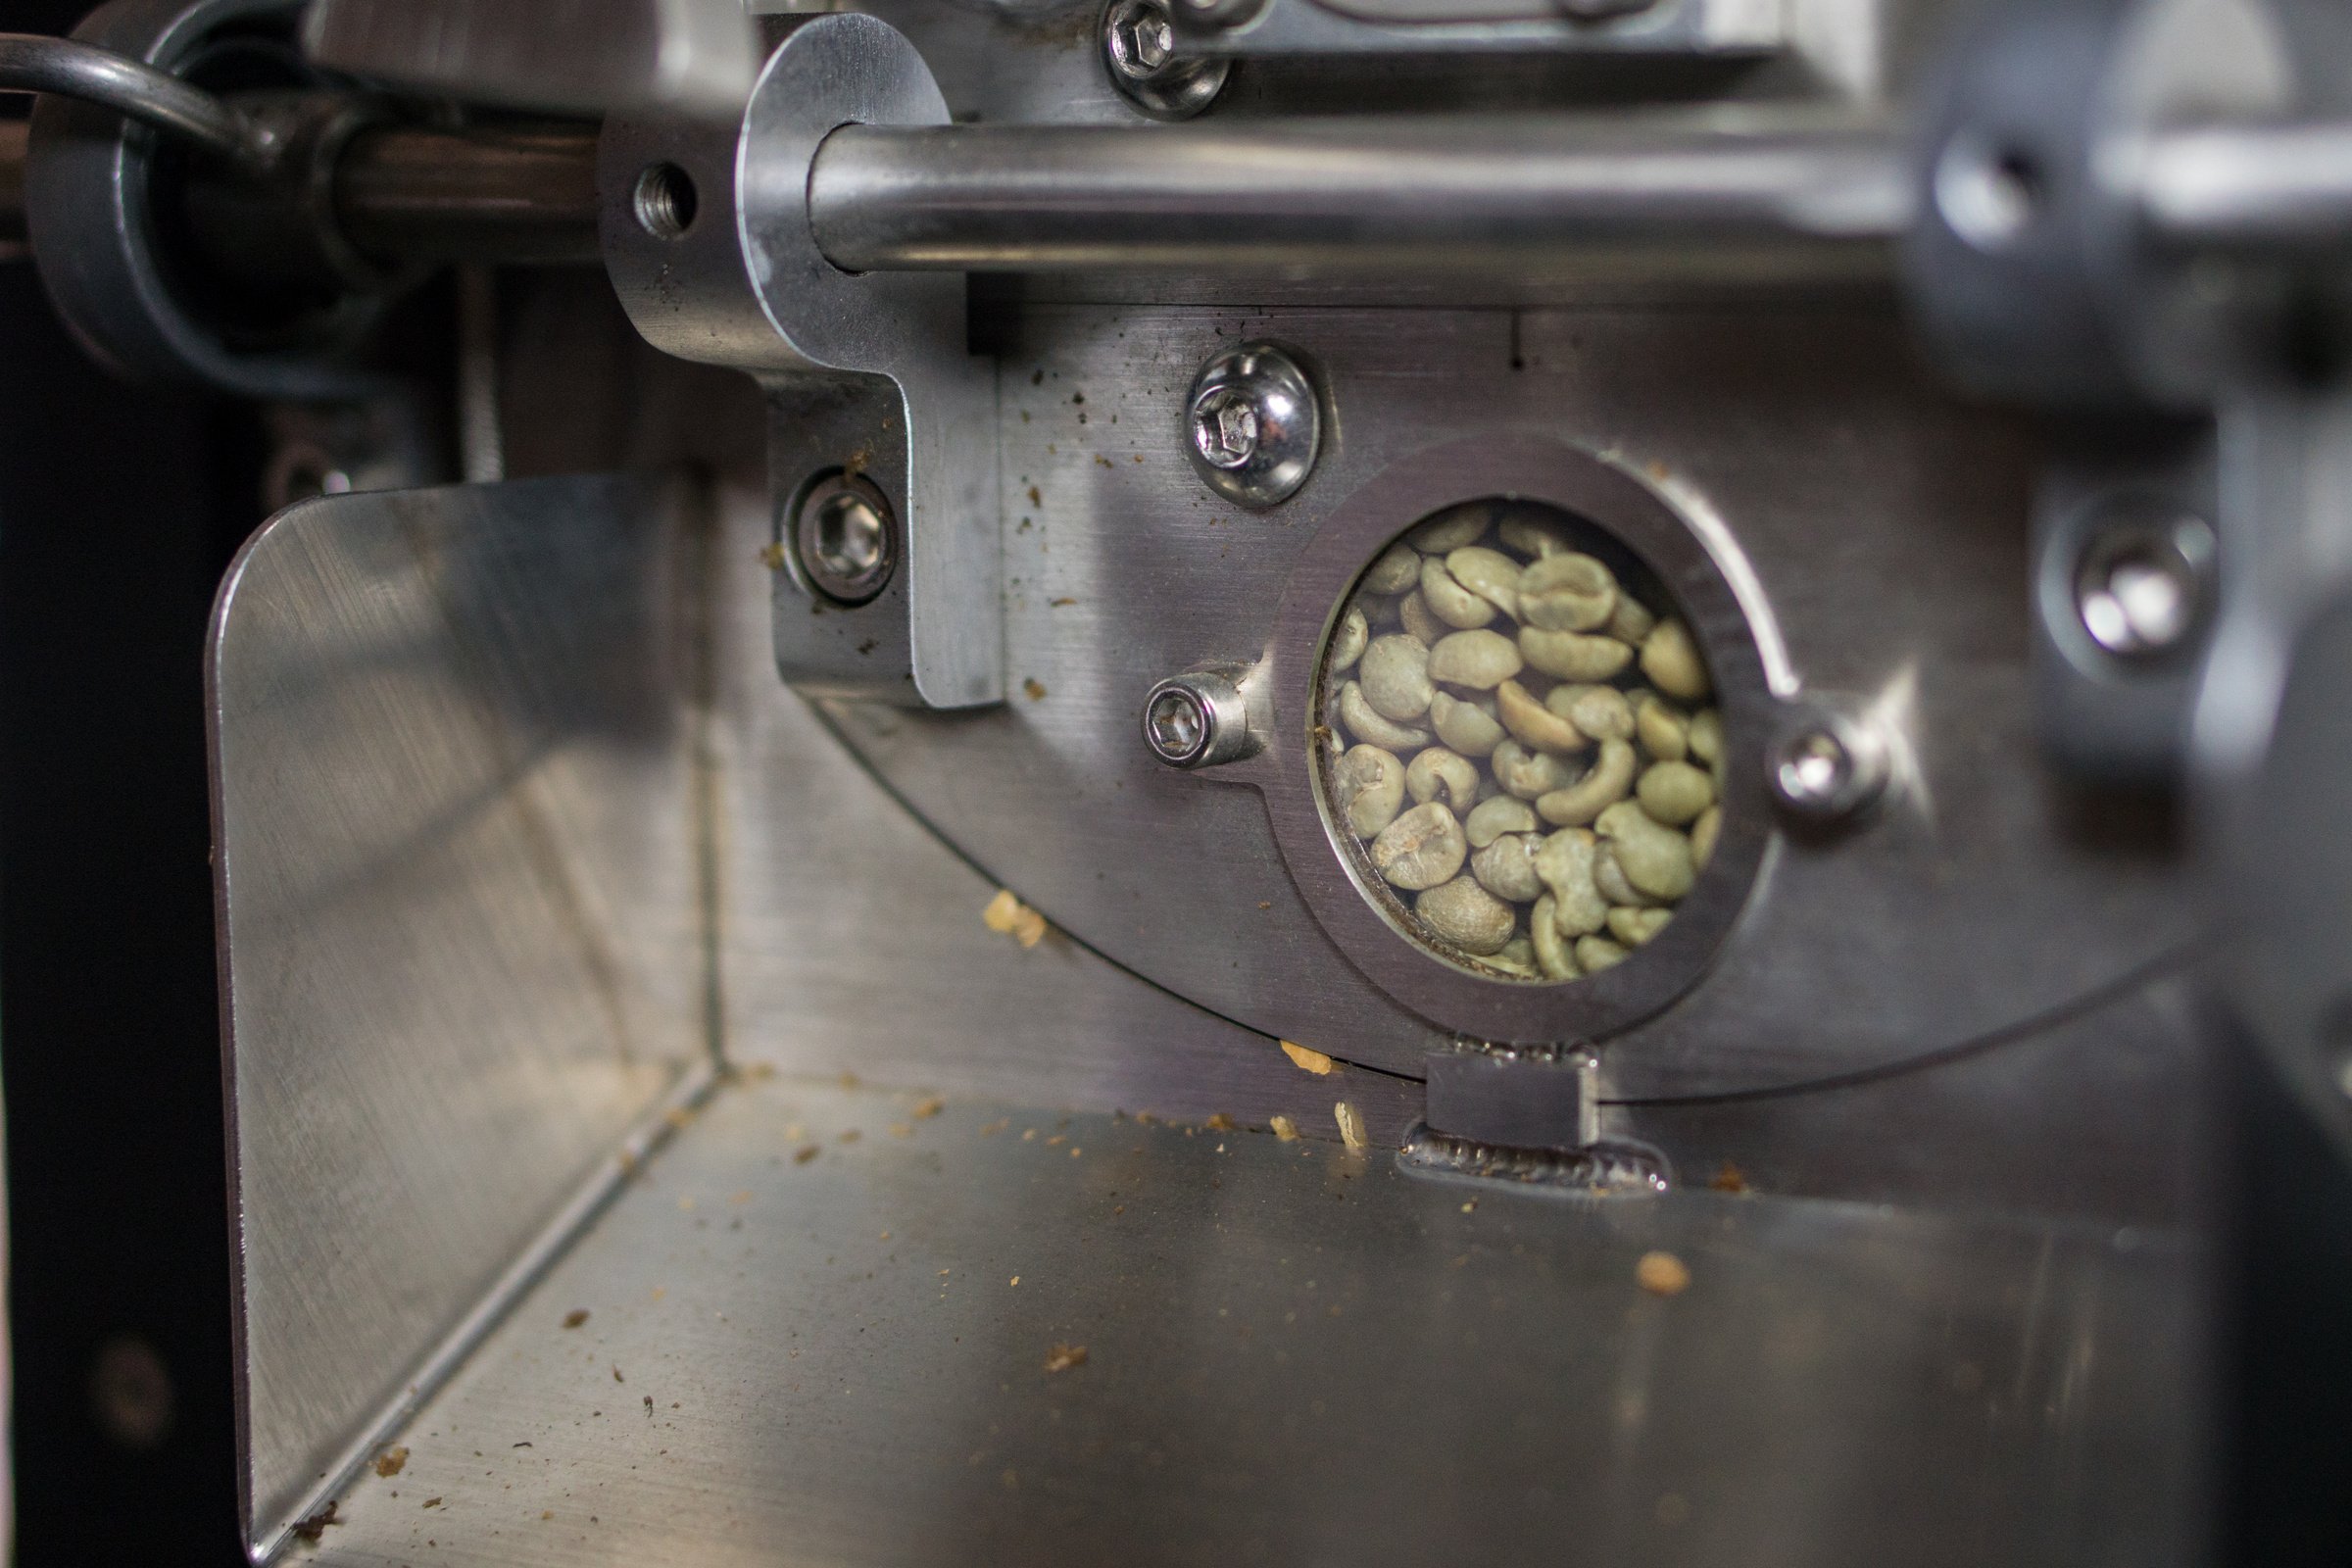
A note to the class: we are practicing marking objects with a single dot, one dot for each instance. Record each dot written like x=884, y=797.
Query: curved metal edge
x=850, y=69
x=1498, y=1011
x=86, y=199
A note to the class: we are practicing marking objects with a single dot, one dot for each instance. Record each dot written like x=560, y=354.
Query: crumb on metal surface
x=1306, y=1060
x=1728, y=1179
x=1006, y=916
x=1662, y=1274
x=314, y=1526
x=1352, y=1127
x=804, y=1153
x=1221, y=1123
x=390, y=1461
x=1285, y=1129
x=575, y=1317
x=925, y=1110
x=1062, y=1358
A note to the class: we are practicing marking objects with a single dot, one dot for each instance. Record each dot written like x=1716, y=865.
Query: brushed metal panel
x=456, y=834
x=1292, y=1355
x=1886, y=528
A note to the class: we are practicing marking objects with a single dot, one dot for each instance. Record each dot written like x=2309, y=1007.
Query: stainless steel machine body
x=741, y=1050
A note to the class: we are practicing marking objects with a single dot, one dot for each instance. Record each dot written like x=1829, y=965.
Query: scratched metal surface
x=1885, y=525
x=1292, y=1354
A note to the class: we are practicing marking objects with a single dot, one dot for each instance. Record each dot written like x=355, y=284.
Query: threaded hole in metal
x=664, y=201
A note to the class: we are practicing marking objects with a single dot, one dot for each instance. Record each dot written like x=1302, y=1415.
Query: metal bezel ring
x=1321, y=860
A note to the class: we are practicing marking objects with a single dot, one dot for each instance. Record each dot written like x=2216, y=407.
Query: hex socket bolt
x=1827, y=769
x=1199, y=720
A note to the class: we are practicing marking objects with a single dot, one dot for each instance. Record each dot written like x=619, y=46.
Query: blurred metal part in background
x=696, y=57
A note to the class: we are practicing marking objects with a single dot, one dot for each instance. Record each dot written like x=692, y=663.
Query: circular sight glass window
x=1518, y=752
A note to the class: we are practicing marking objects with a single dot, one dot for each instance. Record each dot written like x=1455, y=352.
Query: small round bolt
x=2142, y=585
x=1198, y=720
x=1253, y=425
x=844, y=539
x=1139, y=50
x=1824, y=768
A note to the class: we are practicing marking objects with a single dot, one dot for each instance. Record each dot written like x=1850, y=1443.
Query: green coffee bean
x=1488, y=573
x=1631, y=621
x=1466, y=723
x=1531, y=536
x=1479, y=660
x=1600, y=712
x=1398, y=569
x=1564, y=864
x=1530, y=776
x=1595, y=953
x=1394, y=676
x=1506, y=867
x=1662, y=730
x=1657, y=860
x=1706, y=737
x=1670, y=658
x=1634, y=927
x=1552, y=954
x=1439, y=771
x=1603, y=785
x=1369, y=785
x=1572, y=655
x=1493, y=818
x=1568, y=592
x=1703, y=834
x=1609, y=878
x=1420, y=849
x=1535, y=724
x=1462, y=912
x=1466, y=524
x=1518, y=956
x=1347, y=641
x=1412, y=614
x=1675, y=793
x=1367, y=724
x=1451, y=603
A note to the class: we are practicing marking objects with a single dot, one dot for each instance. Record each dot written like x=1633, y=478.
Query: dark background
x=118, y=510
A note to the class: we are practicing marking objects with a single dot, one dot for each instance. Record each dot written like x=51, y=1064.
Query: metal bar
x=132, y=88
x=1360, y=195
x=505, y=195
x=2265, y=186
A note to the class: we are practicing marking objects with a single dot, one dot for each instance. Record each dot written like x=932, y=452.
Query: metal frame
x=1357, y=918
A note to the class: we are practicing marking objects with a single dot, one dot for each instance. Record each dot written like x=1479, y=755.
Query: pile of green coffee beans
x=1521, y=747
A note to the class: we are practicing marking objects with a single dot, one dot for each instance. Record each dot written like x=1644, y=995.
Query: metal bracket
x=707, y=234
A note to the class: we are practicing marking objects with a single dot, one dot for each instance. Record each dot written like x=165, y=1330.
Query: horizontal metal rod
x=132, y=88
x=508, y=194
x=1360, y=196
x=2284, y=186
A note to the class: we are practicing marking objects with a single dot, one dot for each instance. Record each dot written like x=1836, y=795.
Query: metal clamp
x=866, y=373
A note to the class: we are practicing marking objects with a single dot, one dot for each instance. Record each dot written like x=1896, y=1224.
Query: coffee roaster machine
x=1246, y=779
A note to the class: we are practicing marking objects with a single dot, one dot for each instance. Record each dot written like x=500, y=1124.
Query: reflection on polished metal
x=686, y=55
x=1826, y=768
x=845, y=539
x=2143, y=586
x=1198, y=720
x=1253, y=425
x=508, y=194
x=1140, y=53
x=458, y=818
x=134, y=89
x=1292, y=1355
x=1221, y=13
x=1722, y=195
